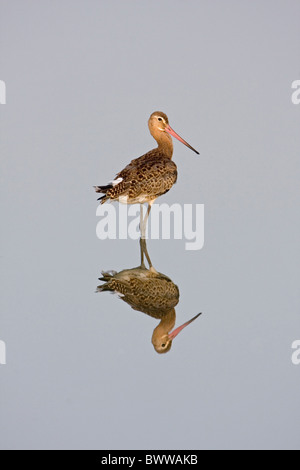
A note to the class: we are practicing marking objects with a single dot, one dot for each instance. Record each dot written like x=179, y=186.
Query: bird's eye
x=163, y=345
x=160, y=119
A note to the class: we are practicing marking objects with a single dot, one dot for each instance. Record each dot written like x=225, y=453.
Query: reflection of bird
x=152, y=293
x=150, y=176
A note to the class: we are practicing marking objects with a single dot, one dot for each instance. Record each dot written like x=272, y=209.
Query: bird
x=150, y=176
x=152, y=293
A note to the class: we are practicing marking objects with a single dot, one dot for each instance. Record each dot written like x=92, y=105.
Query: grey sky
x=82, y=78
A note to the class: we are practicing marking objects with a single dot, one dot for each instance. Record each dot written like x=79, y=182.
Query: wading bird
x=149, y=176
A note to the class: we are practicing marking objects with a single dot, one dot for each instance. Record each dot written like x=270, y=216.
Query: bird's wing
x=152, y=175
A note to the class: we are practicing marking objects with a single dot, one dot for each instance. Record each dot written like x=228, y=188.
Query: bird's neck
x=166, y=324
x=165, y=144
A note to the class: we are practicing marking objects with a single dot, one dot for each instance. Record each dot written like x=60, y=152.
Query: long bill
x=174, y=134
x=176, y=332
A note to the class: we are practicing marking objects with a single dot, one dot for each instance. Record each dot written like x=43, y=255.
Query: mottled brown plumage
x=144, y=179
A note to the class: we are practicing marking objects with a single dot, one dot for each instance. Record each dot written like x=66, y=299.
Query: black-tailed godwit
x=149, y=176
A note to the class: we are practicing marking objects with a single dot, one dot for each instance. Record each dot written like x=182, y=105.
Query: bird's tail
x=107, y=277
x=103, y=190
x=103, y=288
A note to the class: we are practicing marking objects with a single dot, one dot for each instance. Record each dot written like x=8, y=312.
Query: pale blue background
x=82, y=79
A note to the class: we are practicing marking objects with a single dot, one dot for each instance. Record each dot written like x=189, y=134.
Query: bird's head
x=162, y=341
x=159, y=126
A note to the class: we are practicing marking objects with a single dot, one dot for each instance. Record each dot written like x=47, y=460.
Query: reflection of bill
x=2, y=92
x=296, y=94
x=2, y=353
x=296, y=354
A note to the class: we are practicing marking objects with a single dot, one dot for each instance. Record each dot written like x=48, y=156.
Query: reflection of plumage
x=149, y=292
x=144, y=290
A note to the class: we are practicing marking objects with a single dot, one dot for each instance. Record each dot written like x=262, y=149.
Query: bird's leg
x=145, y=251
x=141, y=239
x=143, y=266
x=143, y=235
x=142, y=221
x=146, y=218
